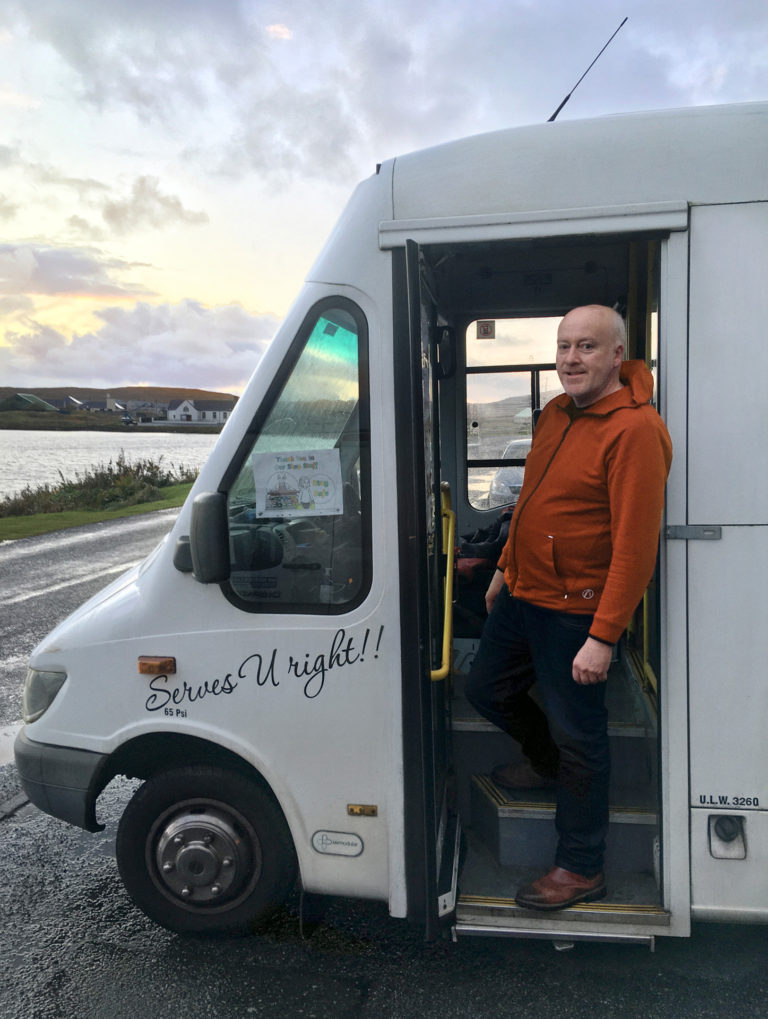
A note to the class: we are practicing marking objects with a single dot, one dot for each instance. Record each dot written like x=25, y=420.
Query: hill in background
x=152, y=394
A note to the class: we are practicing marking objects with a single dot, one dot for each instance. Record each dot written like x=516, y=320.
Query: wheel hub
x=201, y=858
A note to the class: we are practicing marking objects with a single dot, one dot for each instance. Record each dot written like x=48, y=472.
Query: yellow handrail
x=449, y=519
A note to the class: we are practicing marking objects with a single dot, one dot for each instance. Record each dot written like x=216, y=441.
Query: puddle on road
x=7, y=736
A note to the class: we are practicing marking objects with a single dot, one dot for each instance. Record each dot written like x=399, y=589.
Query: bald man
x=581, y=550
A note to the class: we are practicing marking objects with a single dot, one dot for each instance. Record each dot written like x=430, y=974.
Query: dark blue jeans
x=522, y=644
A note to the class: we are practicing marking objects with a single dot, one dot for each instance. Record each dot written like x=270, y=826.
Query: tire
x=205, y=850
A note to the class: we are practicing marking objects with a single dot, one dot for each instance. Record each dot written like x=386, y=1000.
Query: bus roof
x=698, y=155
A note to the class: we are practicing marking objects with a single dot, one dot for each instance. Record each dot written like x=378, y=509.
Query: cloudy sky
x=170, y=168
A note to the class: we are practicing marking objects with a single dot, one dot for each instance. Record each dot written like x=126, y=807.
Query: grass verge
x=29, y=526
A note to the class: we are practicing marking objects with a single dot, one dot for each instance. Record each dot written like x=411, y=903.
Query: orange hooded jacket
x=584, y=535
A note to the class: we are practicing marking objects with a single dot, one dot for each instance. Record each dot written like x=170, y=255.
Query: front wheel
x=205, y=850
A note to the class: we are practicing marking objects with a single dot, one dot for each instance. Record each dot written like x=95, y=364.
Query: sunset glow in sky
x=170, y=168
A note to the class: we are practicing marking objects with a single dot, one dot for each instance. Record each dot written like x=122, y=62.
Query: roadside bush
x=114, y=485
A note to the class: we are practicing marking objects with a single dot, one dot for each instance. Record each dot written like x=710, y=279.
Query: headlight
x=39, y=690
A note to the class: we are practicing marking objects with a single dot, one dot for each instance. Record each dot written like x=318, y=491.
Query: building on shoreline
x=164, y=408
x=26, y=401
x=211, y=412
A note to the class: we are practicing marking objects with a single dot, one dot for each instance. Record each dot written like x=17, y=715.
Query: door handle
x=449, y=533
x=694, y=532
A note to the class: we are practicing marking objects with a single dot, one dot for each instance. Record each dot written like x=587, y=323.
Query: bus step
x=519, y=829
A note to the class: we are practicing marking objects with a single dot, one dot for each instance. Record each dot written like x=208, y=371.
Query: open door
x=505, y=317
x=426, y=559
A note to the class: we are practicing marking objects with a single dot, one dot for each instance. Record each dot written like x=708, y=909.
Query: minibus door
x=426, y=562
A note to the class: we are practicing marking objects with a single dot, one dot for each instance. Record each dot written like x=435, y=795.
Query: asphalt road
x=46, y=578
x=73, y=945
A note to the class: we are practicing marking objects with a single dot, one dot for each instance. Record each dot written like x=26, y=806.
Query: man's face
x=588, y=356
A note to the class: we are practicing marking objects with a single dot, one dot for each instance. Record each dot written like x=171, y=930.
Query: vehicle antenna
x=562, y=104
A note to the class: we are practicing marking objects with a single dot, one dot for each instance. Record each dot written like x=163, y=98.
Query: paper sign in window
x=306, y=484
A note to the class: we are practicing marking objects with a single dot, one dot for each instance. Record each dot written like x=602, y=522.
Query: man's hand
x=493, y=589
x=592, y=662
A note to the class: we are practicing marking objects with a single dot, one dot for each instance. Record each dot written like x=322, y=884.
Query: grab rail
x=449, y=533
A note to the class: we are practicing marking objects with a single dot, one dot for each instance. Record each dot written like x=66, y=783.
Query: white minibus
x=285, y=673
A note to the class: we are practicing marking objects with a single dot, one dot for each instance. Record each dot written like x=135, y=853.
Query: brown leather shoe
x=560, y=888
x=520, y=776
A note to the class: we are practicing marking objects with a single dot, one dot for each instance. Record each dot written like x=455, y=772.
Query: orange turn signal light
x=156, y=665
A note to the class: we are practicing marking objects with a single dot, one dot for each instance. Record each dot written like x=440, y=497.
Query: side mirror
x=209, y=538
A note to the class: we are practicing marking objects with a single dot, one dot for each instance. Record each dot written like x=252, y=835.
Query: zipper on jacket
x=535, y=489
x=587, y=412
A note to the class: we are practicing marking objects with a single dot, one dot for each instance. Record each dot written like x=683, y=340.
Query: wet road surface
x=46, y=578
x=73, y=945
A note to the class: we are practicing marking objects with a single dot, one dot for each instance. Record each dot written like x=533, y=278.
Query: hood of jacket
x=638, y=378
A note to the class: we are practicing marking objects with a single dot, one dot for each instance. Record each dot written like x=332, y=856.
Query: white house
x=214, y=412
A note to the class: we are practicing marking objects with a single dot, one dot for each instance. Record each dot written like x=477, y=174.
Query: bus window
x=298, y=515
x=510, y=374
